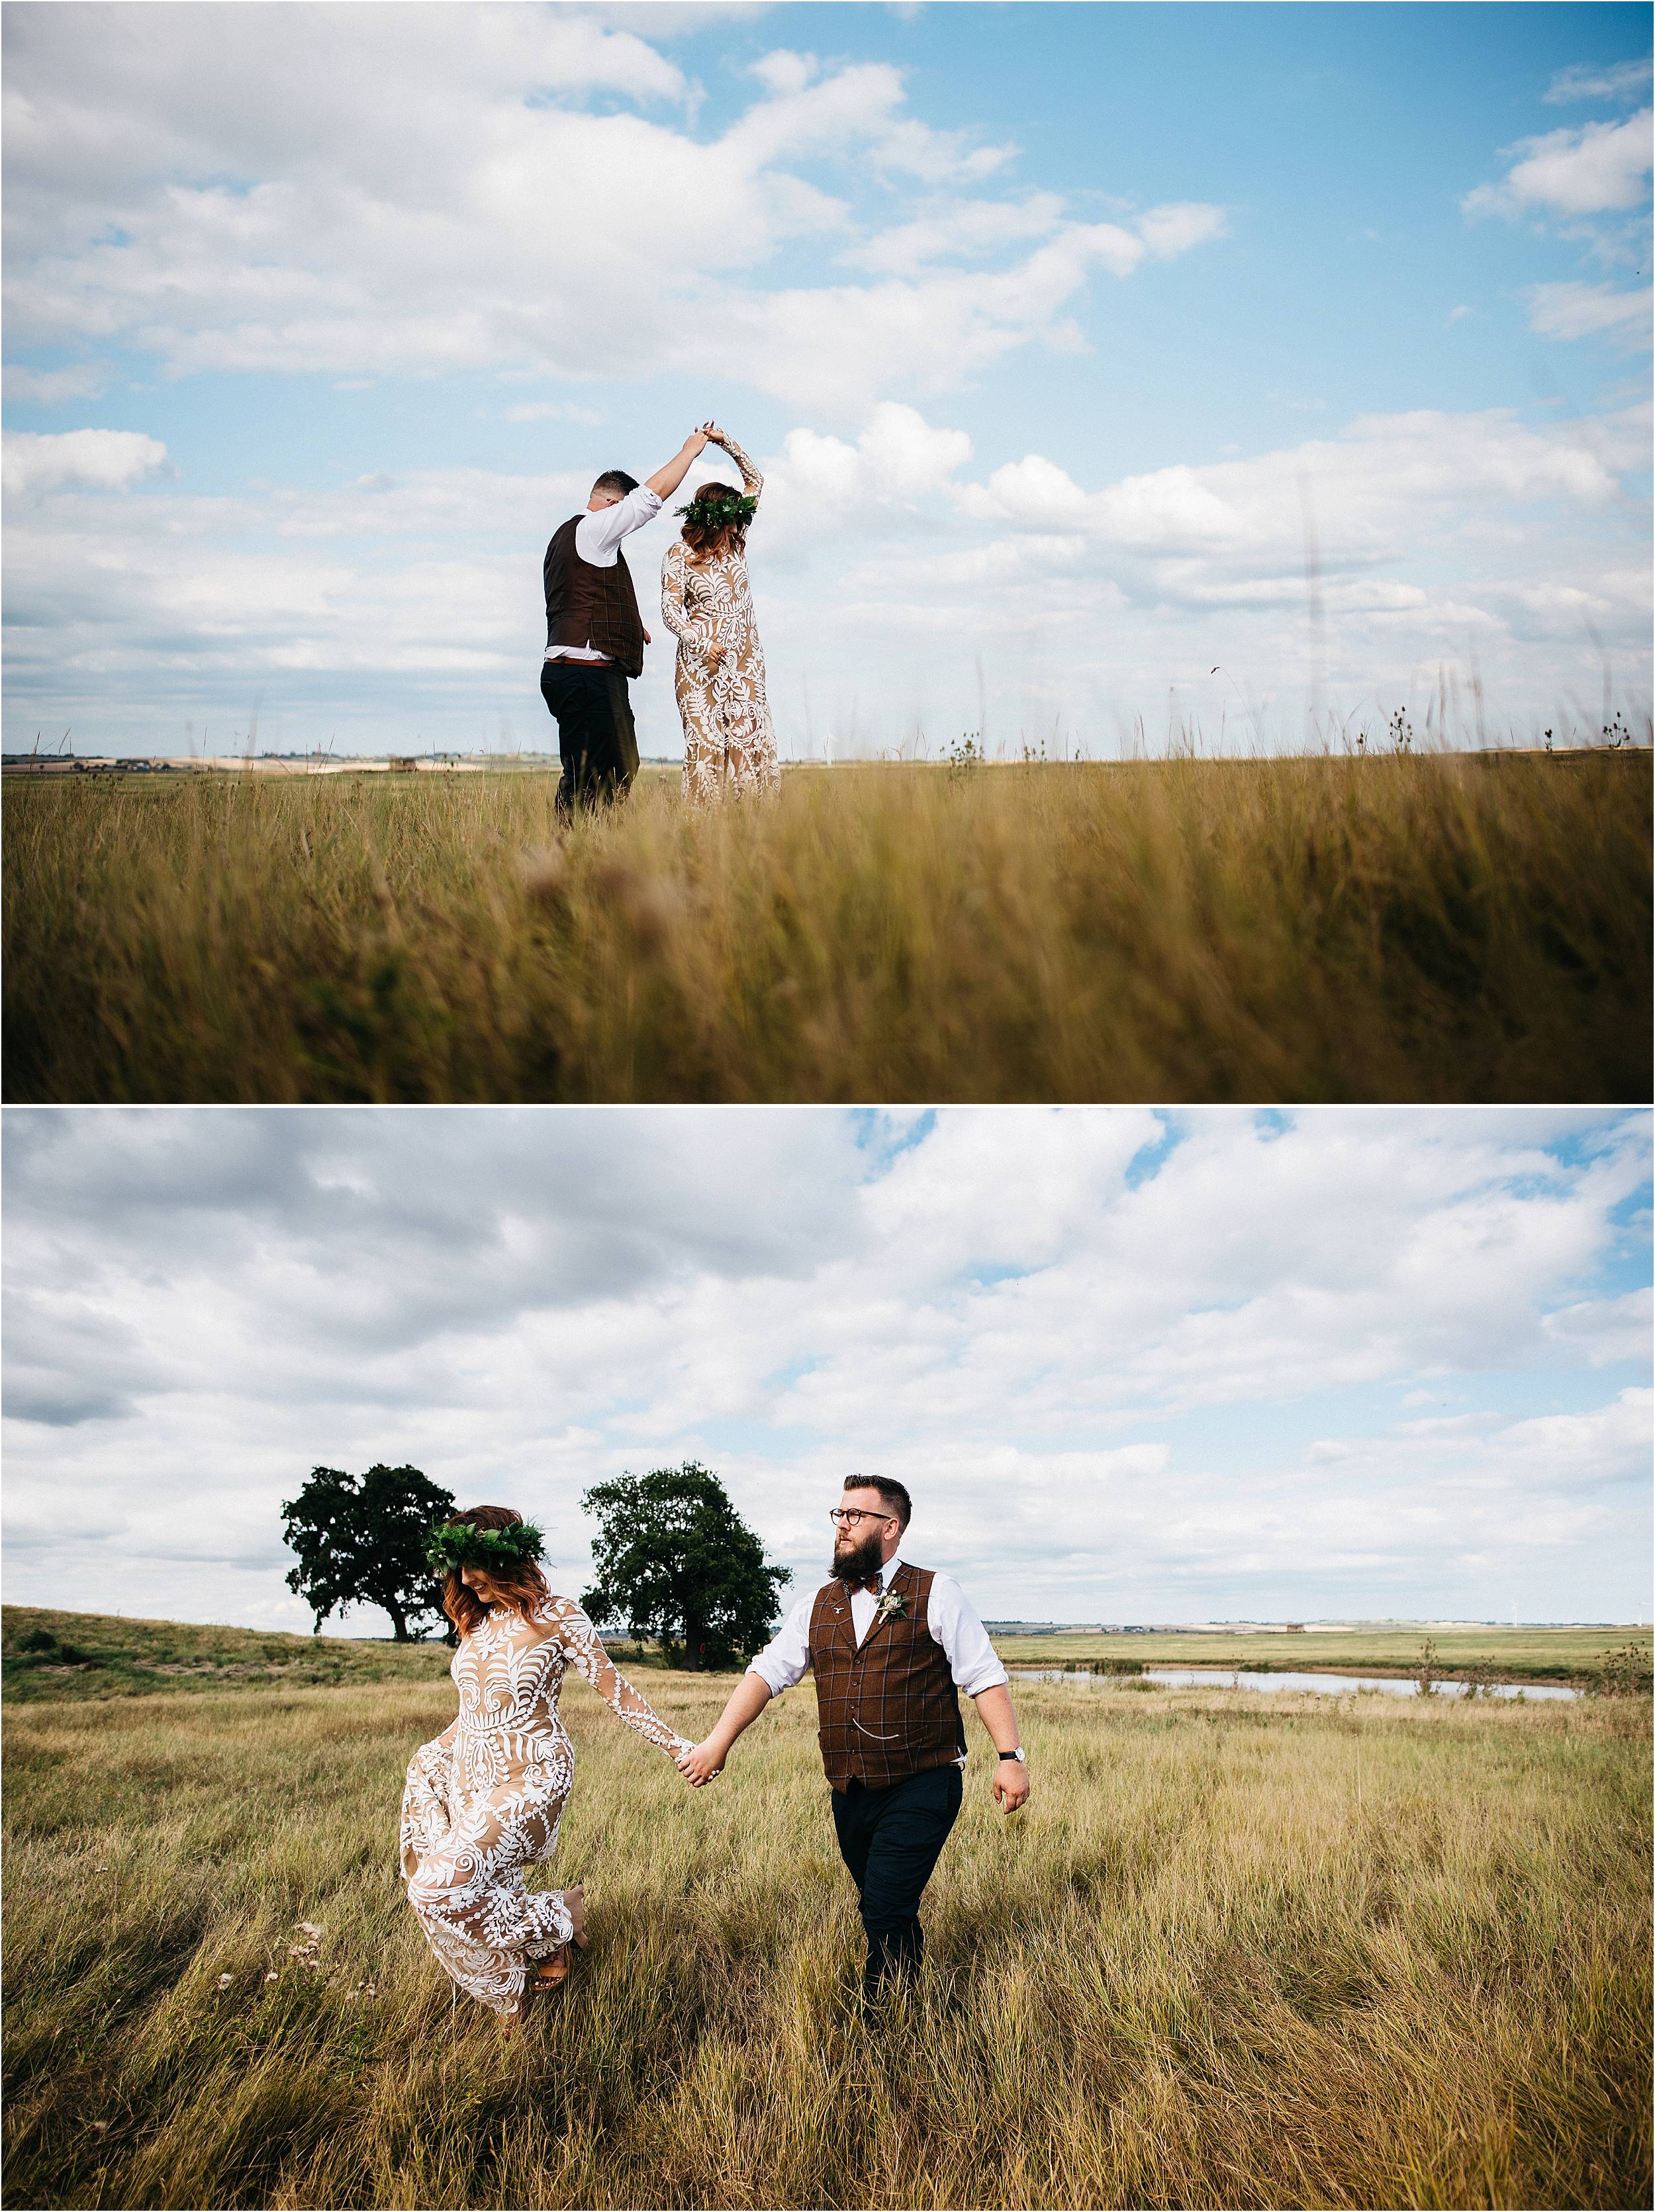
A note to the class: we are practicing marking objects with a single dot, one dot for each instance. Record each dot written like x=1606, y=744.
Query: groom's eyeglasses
x=848, y=1517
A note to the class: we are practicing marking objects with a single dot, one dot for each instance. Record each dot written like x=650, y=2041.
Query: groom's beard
x=861, y=1563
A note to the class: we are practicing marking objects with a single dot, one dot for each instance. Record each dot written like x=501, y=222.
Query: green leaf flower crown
x=716, y=505
x=462, y=1544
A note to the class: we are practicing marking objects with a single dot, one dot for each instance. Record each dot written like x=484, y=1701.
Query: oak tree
x=360, y=1540
x=676, y=1558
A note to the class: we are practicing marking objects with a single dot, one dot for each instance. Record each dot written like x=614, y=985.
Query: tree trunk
x=399, y=1619
x=693, y=1639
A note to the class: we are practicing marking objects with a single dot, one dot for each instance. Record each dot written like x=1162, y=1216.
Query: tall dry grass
x=1449, y=927
x=1238, y=1952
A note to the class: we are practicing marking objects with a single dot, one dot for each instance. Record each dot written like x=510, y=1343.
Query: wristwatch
x=1017, y=1754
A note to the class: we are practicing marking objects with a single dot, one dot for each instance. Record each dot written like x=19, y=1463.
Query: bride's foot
x=539, y=1975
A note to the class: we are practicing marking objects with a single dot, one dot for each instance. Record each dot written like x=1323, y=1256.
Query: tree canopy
x=676, y=1558
x=360, y=1540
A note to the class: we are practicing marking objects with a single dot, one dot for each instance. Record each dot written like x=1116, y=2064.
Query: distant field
x=1448, y=927
x=1532, y=1655
x=1293, y=1951
x=101, y=1655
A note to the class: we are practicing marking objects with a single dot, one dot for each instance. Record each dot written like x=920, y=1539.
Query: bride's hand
x=715, y=435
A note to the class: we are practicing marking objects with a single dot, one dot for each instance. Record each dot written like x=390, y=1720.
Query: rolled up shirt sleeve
x=785, y=1657
x=596, y=535
x=972, y=1659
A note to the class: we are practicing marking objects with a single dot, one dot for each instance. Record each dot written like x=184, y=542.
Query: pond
x=1223, y=1677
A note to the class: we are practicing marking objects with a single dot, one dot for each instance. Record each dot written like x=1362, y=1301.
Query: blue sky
x=1132, y=1365
x=1052, y=326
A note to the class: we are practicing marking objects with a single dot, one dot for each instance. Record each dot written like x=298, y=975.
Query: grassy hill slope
x=48, y=1654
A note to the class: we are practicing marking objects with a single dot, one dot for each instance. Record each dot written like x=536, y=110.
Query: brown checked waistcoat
x=885, y=1708
x=589, y=605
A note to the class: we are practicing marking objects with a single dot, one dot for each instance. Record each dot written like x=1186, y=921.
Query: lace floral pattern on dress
x=728, y=739
x=483, y=1800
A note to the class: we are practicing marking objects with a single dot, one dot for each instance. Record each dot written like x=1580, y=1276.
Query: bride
x=483, y=1800
x=728, y=741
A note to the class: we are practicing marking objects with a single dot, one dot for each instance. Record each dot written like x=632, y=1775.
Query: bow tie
x=875, y=1584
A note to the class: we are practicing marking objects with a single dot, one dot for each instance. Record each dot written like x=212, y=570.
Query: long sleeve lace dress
x=728, y=738
x=483, y=1800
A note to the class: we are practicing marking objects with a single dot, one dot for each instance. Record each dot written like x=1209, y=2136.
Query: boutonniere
x=893, y=1606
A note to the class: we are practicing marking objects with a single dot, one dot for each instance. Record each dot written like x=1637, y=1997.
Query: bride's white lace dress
x=483, y=1800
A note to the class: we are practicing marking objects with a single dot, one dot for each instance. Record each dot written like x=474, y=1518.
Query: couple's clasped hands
x=703, y=434
x=701, y=1765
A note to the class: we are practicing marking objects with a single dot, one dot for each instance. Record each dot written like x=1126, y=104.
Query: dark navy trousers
x=891, y=1839
x=589, y=702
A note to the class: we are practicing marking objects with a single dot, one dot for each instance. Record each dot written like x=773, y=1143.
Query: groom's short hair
x=618, y=481
x=893, y=1492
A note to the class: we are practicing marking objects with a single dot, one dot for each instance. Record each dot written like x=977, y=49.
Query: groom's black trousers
x=889, y=1840
x=598, y=746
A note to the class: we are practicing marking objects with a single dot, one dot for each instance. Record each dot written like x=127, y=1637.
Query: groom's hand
x=701, y=1765
x=1010, y=1785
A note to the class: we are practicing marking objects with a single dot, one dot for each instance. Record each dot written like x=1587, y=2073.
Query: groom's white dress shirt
x=597, y=539
x=948, y=1617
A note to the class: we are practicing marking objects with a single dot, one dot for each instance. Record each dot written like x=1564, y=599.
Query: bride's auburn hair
x=519, y=1583
x=705, y=538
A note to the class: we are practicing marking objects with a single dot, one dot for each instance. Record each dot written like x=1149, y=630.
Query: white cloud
x=1173, y=229
x=420, y=591
x=102, y=461
x=1581, y=80
x=1605, y=1330
x=49, y=387
x=203, y=186
x=1597, y=169
x=1375, y=485
x=1009, y=1313
x=898, y=456
x=553, y=410
x=1575, y=310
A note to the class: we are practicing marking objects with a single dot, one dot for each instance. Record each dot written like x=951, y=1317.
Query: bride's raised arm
x=751, y=482
x=579, y=1639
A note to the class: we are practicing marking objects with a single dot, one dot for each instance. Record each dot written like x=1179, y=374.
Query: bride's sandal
x=540, y=1977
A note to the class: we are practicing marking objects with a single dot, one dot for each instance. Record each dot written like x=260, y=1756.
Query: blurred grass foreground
x=1240, y=1950
x=1411, y=927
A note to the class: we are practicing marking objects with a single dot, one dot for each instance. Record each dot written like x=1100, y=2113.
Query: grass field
x=1437, y=928
x=1238, y=1951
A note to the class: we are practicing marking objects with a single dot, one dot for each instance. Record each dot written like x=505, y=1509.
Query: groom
x=890, y=1645
x=594, y=636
